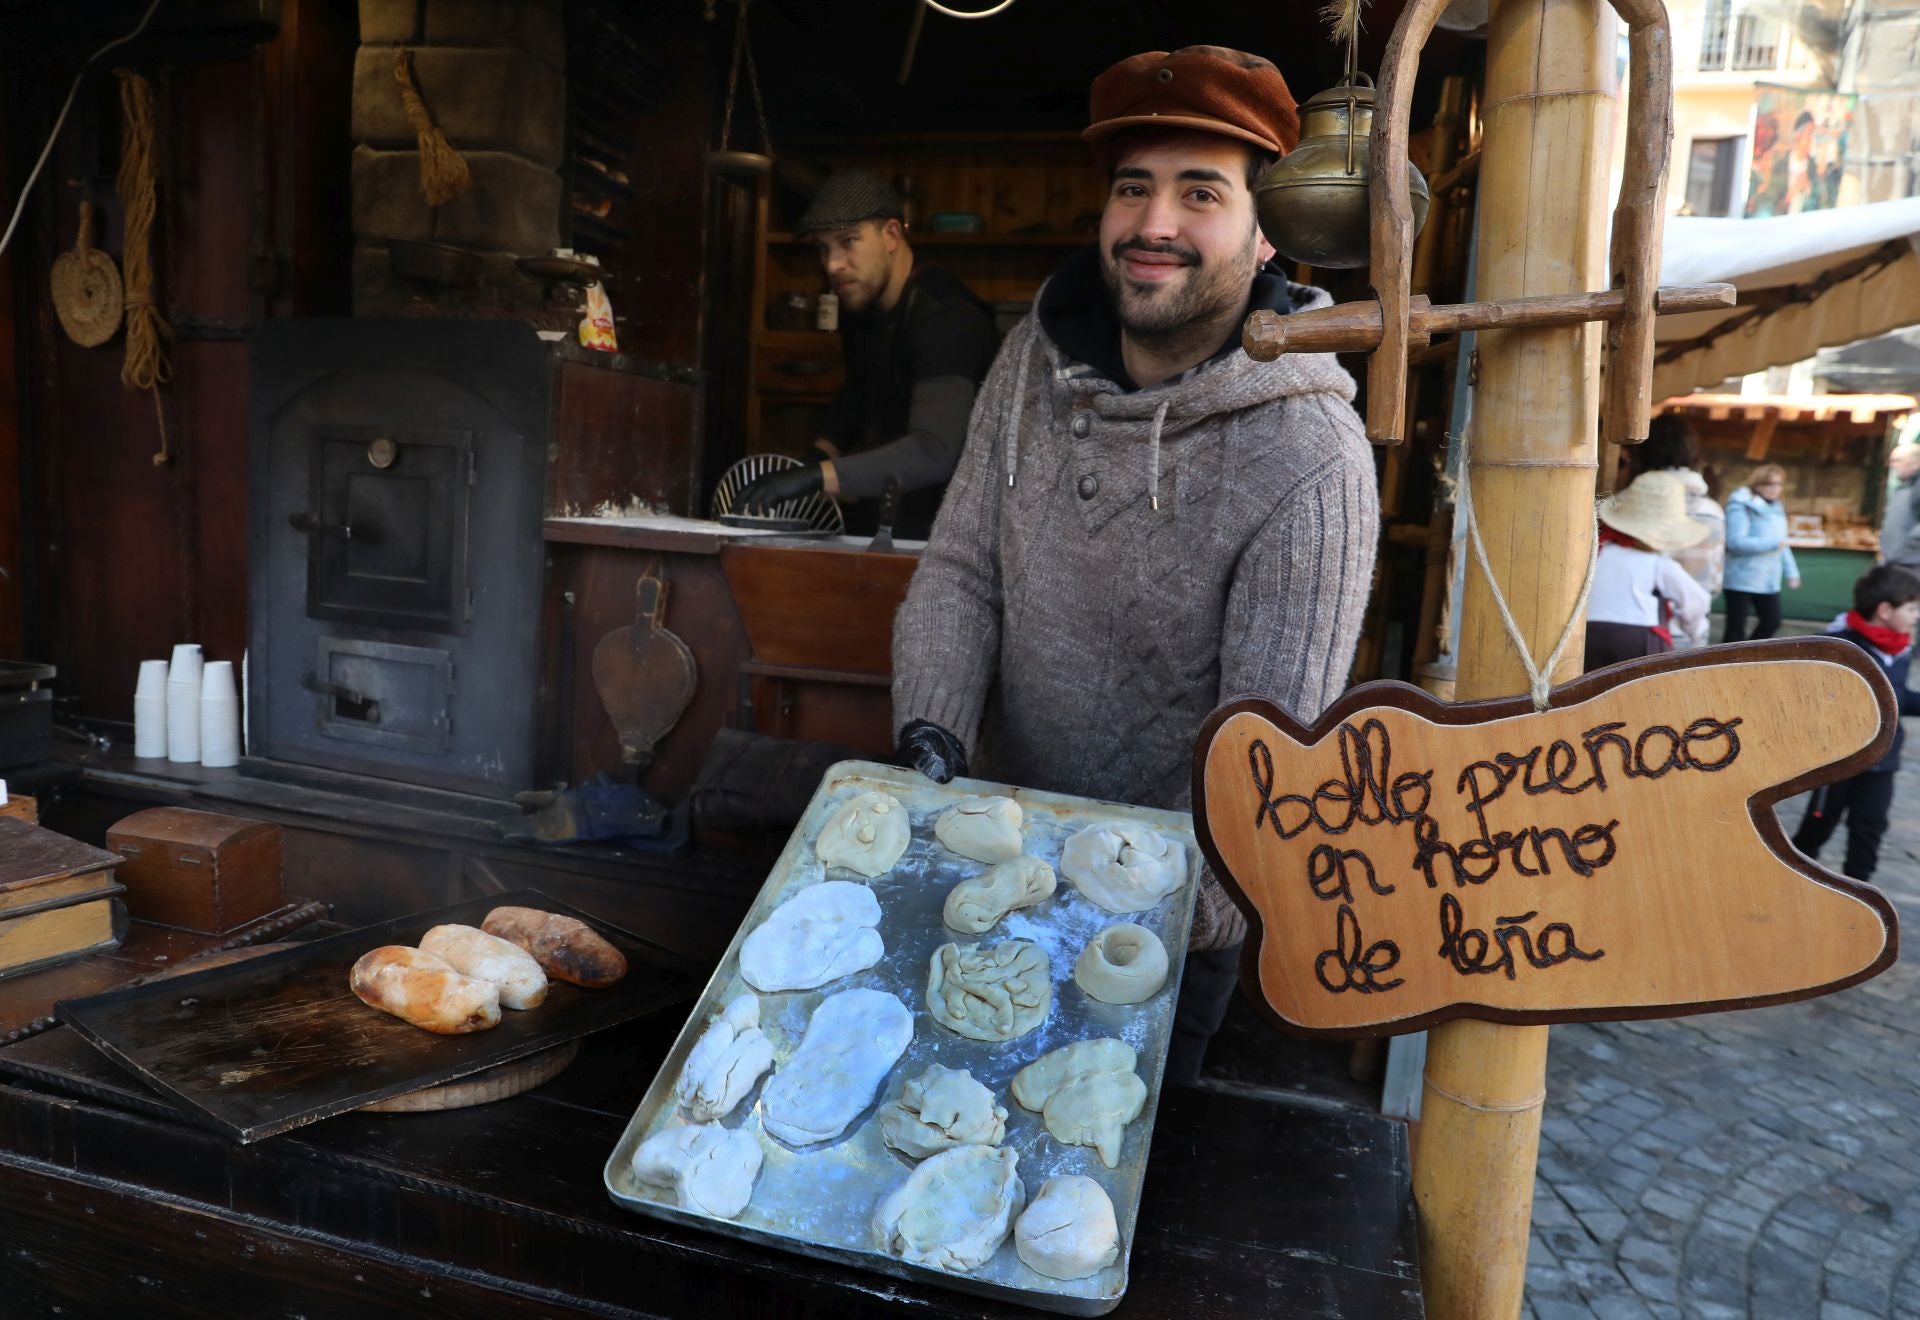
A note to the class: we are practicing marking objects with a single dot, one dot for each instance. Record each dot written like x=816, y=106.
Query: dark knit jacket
x=1073, y=635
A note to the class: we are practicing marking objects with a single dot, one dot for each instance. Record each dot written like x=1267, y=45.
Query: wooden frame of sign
x=1404, y=861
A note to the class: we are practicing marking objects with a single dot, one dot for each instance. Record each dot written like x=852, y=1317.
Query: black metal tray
x=259, y=1047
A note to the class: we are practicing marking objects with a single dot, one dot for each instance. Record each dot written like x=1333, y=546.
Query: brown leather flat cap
x=1211, y=89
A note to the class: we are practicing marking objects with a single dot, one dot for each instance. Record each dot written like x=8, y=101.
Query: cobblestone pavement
x=1763, y=1163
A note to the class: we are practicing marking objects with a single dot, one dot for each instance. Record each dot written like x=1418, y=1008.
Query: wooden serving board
x=275, y=1042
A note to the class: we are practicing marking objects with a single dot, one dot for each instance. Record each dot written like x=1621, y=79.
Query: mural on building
x=1799, y=149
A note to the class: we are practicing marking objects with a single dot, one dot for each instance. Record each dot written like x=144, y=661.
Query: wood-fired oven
x=398, y=474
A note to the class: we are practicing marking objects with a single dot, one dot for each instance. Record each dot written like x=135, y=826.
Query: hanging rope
x=146, y=366
x=743, y=54
x=443, y=171
x=1539, y=677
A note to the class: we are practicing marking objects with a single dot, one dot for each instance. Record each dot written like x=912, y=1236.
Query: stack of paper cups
x=150, y=710
x=219, y=716
x=183, y=703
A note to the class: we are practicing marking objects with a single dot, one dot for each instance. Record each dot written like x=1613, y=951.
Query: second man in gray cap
x=917, y=343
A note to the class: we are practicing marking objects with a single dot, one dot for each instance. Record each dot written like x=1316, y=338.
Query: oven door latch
x=312, y=525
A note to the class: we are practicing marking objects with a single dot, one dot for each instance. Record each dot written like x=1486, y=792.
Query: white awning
x=1809, y=281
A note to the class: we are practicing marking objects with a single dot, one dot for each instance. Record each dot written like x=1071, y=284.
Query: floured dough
x=952, y=1213
x=1094, y=1110
x=990, y=994
x=852, y=1040
x=940, y=1109
x=822, y=933
x=975, y=905
x=1047, y=1074
x=1069, y=1231
x=704, y=1167
x=987, y=829
x=1122, y=866
x=867, y=835
x=1123, y=964
x=1087, y=1092
x=725, y=1062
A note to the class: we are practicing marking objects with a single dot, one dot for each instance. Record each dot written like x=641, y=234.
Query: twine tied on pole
x=1539, y=677
x=145, y=366
x=443, y=171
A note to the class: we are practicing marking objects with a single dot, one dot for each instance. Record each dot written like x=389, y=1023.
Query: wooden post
x=1543, y=229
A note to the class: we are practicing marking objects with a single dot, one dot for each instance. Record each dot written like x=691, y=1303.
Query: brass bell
x=1313, y=203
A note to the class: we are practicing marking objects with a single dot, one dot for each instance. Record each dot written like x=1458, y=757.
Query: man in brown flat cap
x=1145, y=522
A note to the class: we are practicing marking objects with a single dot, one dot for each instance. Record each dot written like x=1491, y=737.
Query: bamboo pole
x=1548, y=111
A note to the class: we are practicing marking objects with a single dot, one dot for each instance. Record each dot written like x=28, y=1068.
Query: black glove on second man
x=765, y=494
x=932, y=751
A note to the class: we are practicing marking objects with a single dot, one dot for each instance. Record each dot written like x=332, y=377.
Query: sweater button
x=1082, y=425
x=1089, y=487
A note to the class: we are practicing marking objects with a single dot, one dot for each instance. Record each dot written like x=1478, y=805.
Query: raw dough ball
x=1094, y=1110
x=990, y=994
x=867, y=835
x=987, y=829
x=725, y=1062
x=1123, y=964
x=952, y=1212
x=1047, y=1074
x=822, y=933
x=940, y=1109
x=470, y=951
x=1087, y=1092
x=1069, y=1231
x=1122, y=866
x=975, y=905
x=852, y=1040
x=705, y=1167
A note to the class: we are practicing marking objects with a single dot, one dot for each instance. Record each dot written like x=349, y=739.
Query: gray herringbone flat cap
x=848, y=197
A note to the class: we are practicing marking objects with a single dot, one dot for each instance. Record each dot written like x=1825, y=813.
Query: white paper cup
x=150, y=725
x=153, y=679
x=216, y=682
x=186, y=662
x=183, y=720
x=220, y=733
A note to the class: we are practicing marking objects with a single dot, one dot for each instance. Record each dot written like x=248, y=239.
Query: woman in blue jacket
x=1757, y=555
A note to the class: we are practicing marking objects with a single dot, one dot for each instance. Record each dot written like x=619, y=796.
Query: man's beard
x=1165, y=316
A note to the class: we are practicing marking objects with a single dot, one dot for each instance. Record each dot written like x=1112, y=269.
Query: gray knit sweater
x=1073, y=636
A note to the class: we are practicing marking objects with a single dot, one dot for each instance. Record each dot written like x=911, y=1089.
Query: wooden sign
x=1405, y=861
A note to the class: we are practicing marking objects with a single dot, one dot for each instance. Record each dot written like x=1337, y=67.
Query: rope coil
x=145, y=366
x=1539, y=677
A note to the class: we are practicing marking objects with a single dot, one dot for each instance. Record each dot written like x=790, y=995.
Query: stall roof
x=1808, y=281
x=1858, y=409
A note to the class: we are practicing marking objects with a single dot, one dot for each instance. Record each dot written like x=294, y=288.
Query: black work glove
x=932, y=751
x=764, y=494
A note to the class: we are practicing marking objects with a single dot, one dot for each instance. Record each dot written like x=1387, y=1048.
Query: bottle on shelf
x=826, y=312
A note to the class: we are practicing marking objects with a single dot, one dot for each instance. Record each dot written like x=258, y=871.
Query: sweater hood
x=1748, y=499
x=1071, y=307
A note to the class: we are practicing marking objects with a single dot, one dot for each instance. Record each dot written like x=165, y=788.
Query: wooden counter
x=114, y=1206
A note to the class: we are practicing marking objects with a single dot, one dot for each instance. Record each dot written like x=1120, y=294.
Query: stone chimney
x=492, y=74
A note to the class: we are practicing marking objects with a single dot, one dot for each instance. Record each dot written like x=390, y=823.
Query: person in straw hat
x=1638, y=589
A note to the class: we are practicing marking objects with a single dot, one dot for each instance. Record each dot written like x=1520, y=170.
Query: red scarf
x=1610, y=536
x=1885, y=639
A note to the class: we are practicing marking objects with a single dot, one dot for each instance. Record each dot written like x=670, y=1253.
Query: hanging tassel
x=443, y=171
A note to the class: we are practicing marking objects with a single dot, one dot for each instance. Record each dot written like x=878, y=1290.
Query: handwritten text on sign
x=1409, y=861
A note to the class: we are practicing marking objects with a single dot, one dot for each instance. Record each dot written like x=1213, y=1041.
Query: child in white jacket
x=1640, y=595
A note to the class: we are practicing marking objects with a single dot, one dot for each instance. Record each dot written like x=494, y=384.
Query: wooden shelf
x=921, y=238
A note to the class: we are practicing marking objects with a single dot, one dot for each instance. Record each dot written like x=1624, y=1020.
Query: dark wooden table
x=111, y=1204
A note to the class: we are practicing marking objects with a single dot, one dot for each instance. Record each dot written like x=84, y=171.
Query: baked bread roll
x=470, y=951
x=567, y=950
x=419, y=988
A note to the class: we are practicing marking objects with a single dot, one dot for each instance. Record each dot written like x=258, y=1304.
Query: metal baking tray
x=819, y=1201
